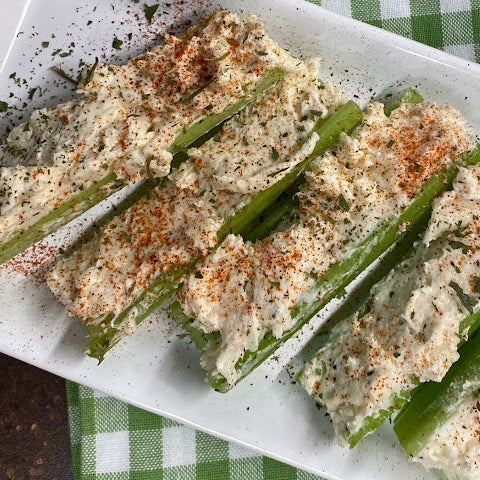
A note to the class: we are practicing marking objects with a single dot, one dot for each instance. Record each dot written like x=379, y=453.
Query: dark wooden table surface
x=34, y=434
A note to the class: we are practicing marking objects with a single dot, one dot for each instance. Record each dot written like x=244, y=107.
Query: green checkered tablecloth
x=113, y=440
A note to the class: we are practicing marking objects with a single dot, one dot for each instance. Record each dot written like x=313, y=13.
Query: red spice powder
x=35, y=262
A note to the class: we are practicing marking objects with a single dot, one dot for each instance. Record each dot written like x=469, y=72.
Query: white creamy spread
x=180, y=220
x=412, y=329
x=130, y=114
x=455, y=447
x=246, y=290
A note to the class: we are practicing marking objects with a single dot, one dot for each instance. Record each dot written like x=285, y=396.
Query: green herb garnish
x=150, y=11
x=90, y=72
x=274, y=154
x=343, y=203
x=64, y=74
x=117, y=43
x=467, y=301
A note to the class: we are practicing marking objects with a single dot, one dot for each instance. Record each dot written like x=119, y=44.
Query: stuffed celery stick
x=411, y=326
x=135, y=263
x=127, y=123
x=242, y=302
x=439, y=427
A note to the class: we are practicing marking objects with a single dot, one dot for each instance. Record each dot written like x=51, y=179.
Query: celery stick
x=196, y=130
x=357, y=298
x=86, y=199
x=271, y=217
x=102, y=339
x=201, y=339
x=469, y=326
x=61, y=215
x=340, y=275
x=357, y=301
x=333, y=283
x=106, y=332
x=372, y=423
x=433, y=403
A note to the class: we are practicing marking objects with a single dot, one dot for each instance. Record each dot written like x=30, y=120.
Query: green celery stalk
x=372, y=423
x=341, y=274
x=104, y=338
x=61, y=215
x=202, y=340
x=81, y=202
x=204, y=125
x=434, y=403
x=469, y=325
x=357, y=300
x=271, y=217
x=333, y=283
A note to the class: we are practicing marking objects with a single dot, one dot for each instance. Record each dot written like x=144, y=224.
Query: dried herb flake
x=467, y=301
x=117, y=43
x=274, y=154
x=150, y=11
x=343, y=203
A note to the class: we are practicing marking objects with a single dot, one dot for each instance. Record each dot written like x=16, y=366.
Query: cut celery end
x=106, y=333
x=408, y=96
x=468, y=326
x=372, y=423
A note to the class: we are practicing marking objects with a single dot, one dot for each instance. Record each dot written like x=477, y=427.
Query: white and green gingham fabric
x=114, y=441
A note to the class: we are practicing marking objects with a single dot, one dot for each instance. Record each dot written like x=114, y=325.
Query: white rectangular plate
x=155, y=369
